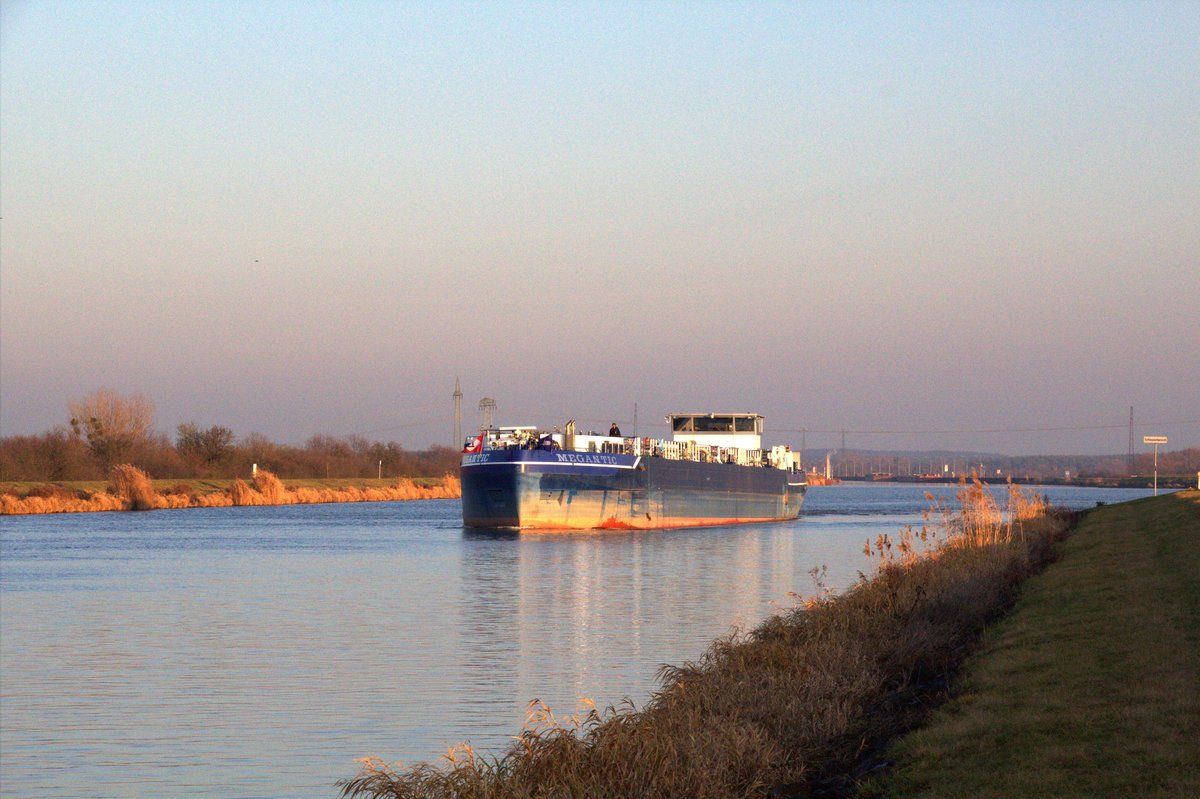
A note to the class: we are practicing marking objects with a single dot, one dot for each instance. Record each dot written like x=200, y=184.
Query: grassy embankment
x=793, y=705
x=130, y=489
x=1092, y=686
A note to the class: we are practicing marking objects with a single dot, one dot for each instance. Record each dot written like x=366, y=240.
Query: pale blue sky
x=295, y=218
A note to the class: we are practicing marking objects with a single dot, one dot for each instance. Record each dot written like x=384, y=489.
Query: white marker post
x=1155, y=440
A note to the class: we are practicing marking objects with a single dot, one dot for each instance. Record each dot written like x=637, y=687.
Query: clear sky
x=299, y=217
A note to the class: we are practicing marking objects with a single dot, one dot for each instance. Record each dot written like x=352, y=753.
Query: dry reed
x=269, y=490
x=787, y=708
x=100, y=501
x=131, y=489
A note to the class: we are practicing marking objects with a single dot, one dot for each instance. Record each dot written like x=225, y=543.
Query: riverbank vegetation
x=796, y=704
x=129, y=488
x=105, y=429
x=1092, y=686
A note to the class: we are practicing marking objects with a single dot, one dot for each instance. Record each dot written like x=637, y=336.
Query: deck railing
x=654, y=448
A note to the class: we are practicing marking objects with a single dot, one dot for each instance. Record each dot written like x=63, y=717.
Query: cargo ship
x=713, y=470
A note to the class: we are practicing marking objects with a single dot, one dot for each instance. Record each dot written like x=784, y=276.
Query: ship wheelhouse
x=740, y=430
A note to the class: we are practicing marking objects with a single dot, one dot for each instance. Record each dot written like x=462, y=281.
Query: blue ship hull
x=539, y=489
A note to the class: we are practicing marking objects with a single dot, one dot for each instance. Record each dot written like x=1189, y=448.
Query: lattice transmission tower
x=1129, y=458
x=458, y=395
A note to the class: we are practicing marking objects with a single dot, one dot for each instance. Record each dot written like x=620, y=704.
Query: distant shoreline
x=1137, y=481
x=138, y=492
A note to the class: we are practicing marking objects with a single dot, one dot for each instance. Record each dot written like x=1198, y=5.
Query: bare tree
x=209, y=447
x=111, y=423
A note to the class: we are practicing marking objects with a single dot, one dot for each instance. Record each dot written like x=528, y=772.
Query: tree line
x=105, y=428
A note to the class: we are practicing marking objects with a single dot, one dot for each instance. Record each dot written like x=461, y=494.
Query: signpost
x=1155, y=440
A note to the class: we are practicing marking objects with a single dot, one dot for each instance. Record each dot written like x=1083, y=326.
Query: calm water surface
x=257, y=652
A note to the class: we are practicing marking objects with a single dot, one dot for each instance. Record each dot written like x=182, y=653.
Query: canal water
x=257, y=652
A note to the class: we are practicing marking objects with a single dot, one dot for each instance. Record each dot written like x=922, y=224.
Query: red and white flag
x=476, y=445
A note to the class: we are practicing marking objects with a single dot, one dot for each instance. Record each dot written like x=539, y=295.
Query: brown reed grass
x=131, y=489
x=788, y=707
x=269, y=490
x=100, y=501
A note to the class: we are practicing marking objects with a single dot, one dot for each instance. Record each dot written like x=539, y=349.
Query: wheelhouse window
x=682, y=424
x=745, y=424
x=714, y=424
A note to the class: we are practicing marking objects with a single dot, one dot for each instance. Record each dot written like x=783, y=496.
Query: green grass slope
x=1091, y=687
